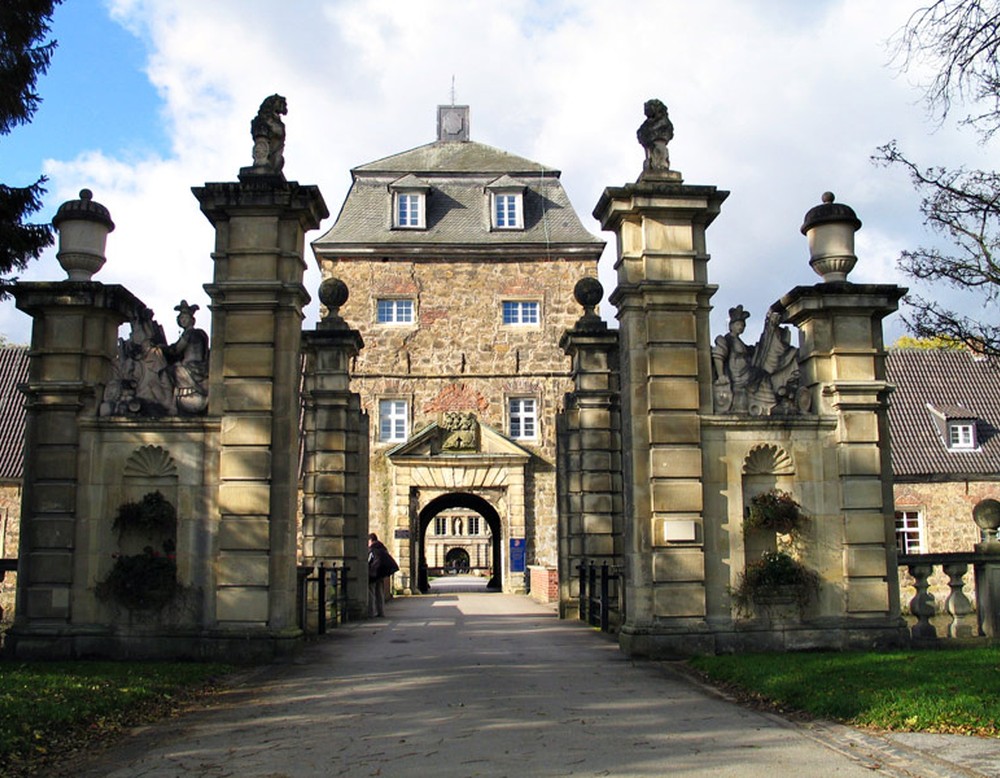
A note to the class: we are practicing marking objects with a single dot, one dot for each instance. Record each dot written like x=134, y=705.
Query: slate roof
x=957, y=386
x=13, y=371
x=457, y=215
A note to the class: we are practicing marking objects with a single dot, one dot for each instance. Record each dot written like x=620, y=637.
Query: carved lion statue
x=654, y=134
x=268, y=132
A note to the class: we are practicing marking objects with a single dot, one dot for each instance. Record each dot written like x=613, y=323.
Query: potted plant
x=152, y=514
x=773, y=510
x=775, y=578
x=143, y=582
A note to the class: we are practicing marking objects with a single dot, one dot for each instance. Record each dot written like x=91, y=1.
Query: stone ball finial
x=333, y=293
x=589, y=292
x=83, y=226
x=986, y=514
x=830, y=229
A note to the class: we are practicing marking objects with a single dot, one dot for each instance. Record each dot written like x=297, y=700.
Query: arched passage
x=466, y=501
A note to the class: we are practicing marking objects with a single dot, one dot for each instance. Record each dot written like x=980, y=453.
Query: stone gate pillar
x=663, y=309
x=257, y=299
x=74, y=345
x=590, y=450
x=842, y=363
x=335, y=468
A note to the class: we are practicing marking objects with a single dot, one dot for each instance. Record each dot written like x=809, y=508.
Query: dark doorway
x=482, y=509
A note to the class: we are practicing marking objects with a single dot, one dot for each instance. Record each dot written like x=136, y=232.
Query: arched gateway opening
x=457, y=556
x=486, y=479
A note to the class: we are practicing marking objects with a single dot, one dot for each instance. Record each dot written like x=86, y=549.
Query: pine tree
x=24, y=56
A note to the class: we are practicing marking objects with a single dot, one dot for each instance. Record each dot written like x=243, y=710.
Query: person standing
x=381, y=567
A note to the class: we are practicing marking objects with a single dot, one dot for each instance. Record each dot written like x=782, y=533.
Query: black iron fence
x=602, y=596
x=324, y=590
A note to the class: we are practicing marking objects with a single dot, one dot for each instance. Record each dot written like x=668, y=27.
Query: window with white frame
x=520, y=312
x=909, y=532
x=508, y=211
x=523, y=418
x=961, y=434
x=408, y=210
x=394, y=311
x=392, y=418
x=473, y=525
x=440, y=525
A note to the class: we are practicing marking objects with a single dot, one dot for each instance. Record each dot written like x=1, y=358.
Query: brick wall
x=544, y=583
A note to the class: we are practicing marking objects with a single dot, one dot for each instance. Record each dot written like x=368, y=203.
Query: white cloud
x=775, y=102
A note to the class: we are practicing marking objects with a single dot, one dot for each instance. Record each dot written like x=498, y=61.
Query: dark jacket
x=380, y=562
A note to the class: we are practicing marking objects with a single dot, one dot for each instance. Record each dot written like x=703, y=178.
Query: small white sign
x=680, y=531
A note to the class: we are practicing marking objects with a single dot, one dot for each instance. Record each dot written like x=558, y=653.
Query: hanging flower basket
x=773, y=577
x=773, y=510
x=152, y=514
x=144, y=582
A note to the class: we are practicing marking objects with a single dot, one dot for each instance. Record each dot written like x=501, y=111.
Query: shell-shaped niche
x=768, y=459
x=150, y=462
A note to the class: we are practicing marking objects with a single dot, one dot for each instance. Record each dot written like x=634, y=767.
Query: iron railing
x=324, y=589
x=601, y=595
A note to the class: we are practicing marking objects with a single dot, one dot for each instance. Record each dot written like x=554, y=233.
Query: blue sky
x=775, y=101
x=95, y=96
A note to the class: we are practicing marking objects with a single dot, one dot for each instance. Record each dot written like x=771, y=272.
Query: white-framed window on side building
x=909, y=532
x=392, y=420
x=394, y=311
x=961, y=435
x=522, y=415
x=520, y=312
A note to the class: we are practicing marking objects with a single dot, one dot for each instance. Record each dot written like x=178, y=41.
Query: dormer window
x=961, y=435
x=409, y=209
x=957, y=426
x=506, y=204
x=409, y=203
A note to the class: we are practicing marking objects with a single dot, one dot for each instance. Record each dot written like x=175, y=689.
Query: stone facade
x=10, y=519
x=454, y=269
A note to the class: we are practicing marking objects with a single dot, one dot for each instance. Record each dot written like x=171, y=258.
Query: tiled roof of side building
x=13, y=371
x=944, y=379
x=458, y=175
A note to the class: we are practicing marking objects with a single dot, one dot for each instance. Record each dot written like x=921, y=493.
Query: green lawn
x=53, y=707
x=947, y=690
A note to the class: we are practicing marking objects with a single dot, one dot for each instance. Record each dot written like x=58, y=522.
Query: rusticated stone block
x=243, y=569
x=242, y=604
x=235, y=533
x=245, y=463
x=676, y=600
x=245, y=498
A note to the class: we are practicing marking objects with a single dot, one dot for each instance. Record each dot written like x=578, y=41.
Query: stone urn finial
x=830, y=229
x=83, y=226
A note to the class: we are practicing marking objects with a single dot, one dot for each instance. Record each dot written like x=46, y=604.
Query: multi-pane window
x=409, y=209
x=473, y=525
x=507, y=211
x=520, y=312
x=440, y=525
x=961, y=435
x=909, y=532
x=392, y=420
x=523, y=417
x=394, y=311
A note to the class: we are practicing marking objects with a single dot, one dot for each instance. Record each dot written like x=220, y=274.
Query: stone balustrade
x=966, y=621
